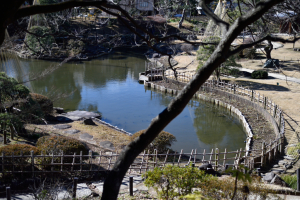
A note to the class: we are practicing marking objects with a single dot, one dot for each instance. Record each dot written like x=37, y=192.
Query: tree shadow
x=261, y=86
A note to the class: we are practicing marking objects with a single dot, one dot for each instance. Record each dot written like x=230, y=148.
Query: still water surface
x=109, y=85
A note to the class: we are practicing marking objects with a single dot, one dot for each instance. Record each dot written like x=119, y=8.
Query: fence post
x=8, y=193
x=216, y=158
x=32, y=162
x=298, y=179
x=233, y=88
x=281, y=145
x=275, y=109
x=131, y=185
x=263, y=154
x=252, y=95
x=265, y=106
x=75, y=181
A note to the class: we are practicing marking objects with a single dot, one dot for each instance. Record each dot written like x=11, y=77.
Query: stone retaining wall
x=247, y=128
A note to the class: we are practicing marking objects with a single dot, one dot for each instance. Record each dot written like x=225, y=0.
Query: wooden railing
x=102, y=162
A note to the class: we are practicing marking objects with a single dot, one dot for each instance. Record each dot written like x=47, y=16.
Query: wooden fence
x=103, y=162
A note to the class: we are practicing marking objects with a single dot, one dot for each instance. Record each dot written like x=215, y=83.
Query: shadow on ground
x=261, y=86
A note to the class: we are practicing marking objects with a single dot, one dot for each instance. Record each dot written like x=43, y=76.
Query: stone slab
x=78, y=114
x=72, y=131
x=107, y=145
x=86, y=136
x=62, y=126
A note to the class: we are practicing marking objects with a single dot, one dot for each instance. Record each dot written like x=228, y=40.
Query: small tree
x=40, y=40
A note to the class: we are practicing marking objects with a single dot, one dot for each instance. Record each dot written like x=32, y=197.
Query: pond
x=109, y=85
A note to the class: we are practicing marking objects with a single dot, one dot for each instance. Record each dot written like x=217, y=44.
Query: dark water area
x=109, y=85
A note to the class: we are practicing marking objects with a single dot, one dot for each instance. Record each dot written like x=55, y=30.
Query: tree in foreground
x=11, y=11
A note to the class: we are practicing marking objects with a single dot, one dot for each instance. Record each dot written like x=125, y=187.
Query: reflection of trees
x=98, y=72
x=209, y=127
x=72, y=77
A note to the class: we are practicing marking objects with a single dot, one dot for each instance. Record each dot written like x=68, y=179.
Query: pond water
x=109, y=85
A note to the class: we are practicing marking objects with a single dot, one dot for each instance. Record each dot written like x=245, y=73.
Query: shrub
x=290, y=180
x=294, y=150
x=16, y=149
x=75, y=47
x=161, y=143
x=44, y=102
x=173, y=181
x=234, y=72
x=44, y=40
x=59, y=144
x=259, y=74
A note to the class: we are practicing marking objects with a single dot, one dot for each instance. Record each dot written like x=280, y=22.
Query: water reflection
x=109, y=85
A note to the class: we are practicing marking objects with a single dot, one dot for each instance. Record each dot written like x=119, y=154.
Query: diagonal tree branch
x=217, y=20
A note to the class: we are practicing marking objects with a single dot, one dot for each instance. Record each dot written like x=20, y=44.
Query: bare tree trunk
x=269, y=49
x=182, y=19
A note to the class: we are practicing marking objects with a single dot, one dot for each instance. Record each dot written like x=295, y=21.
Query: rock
x=289, y=158
x=72, y=131
x=156, y=55
x=209, y=170
x=58, y=110
x=278, y=170
x=107, y=145
x=271, y=63
x=62, y=126
x=86, y=136
x=63, y=119
x=269, y=176
x=288, y=166
x=278, y=181
x=77, y=115
x=88, y=121
x=83, y=190
x=282, y=162
x=205, y=166
x=276, y=166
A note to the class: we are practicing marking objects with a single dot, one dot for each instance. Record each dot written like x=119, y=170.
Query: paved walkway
x=274, y=75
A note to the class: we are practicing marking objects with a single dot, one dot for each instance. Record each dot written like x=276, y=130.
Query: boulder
x=88, y=121
x=269, y=176
x=205, y=166
x=271, y=63
x=58, y=110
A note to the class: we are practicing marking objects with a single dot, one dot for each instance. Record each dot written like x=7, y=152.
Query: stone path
x=274, y=75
